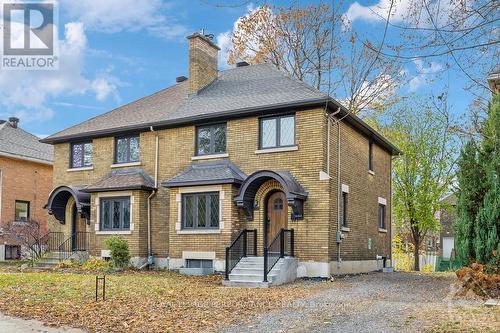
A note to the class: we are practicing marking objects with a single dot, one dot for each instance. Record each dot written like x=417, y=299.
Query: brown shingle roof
x=126, y=179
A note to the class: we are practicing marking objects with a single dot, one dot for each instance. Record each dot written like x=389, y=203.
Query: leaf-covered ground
x=137, y=301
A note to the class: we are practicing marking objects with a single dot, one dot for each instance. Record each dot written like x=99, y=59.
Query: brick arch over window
x=58, y=200
x=249, y=191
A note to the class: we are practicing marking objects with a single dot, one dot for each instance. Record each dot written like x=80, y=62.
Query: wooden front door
x=77, y=230
x=277, y=215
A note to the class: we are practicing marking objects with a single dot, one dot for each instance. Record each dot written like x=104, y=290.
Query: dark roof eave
x=113, y=189
x=202, y=182
x=187, y=120
x=349, y=117
x=364, y=127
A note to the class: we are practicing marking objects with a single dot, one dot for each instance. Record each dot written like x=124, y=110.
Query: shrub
x=95, y=264
x=120, y=254
x=71, y=263
x=427, y=268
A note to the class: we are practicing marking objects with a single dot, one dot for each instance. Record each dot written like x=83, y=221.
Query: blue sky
x=115, y=51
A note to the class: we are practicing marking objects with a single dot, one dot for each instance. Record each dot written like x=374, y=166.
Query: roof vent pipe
x=242, y=64
x=14, y=121
x=180, y=79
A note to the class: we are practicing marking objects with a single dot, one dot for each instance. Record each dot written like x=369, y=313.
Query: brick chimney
x=14, y=121
x=202, y=61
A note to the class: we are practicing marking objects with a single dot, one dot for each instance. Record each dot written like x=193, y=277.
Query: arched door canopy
x=58, y=199
x=294, y=192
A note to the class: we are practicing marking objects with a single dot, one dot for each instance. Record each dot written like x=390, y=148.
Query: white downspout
x=153, y=193
x=339, y=185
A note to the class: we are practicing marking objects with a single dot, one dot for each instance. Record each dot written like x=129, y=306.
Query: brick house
x=25, y=181
x=225, y=164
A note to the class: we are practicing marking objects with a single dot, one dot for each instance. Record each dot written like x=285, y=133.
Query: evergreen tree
x=469, y=200
x=487, y=242
x=478, y=209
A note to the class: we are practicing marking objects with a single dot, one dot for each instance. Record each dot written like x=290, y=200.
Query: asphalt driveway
x=378, y=302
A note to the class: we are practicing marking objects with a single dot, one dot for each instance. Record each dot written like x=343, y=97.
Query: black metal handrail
x=280, y=246
x=79, y=241
x=240, y=248
x=52, y=240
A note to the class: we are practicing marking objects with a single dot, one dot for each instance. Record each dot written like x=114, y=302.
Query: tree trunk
x=416, y=253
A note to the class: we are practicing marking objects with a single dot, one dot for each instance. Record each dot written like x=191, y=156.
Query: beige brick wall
x=364, y=190
x=202, y=63
x=314, y=235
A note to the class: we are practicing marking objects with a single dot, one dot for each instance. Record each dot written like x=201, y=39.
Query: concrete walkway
x=18, y=325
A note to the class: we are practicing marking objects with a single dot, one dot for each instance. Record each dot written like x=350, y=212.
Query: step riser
x=249, y=278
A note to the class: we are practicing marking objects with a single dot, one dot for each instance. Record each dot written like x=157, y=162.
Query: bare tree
x=30, y=234
x=312, y=44
x=463, y=34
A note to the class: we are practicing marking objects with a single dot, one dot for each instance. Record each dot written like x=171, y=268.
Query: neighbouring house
x=447, y=217
x=25, y=182
x=245, y=170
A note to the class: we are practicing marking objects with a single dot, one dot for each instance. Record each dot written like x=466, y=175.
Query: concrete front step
x=249, y=272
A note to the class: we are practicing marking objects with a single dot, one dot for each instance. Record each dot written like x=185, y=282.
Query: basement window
x=199, y=263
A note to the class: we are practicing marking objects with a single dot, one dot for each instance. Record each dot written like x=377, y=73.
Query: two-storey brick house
x=25, y=183
x=182, y=172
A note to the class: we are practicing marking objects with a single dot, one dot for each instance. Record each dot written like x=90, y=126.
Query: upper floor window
x=115, y=213
x=200, y=210
x=127, y=149
x=211, y=139
x=277, y=131
x=22, y=213
x=81, y=154
x=381, y=216
x=370, y=156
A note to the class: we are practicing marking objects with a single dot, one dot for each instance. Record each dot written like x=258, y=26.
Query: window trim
x=28, y=210
x=81, y=143
x=381, y=216
x=278, y=131
x=128, y=137
x=195, y=226
x=212, y=139
x=101, y=215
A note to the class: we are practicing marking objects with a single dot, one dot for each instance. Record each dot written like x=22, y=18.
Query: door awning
x=58, y=199
x=294, y=192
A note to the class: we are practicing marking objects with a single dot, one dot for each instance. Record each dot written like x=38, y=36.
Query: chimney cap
x=242, y=64
x=206, y=37
x=13, y=121
x=180, y=79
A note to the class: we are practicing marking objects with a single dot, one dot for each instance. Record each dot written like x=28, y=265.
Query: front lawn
x=137, y=301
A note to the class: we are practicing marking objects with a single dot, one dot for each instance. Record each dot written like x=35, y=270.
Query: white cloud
x=28, y=93
x=402, y=11
x=224, y=42
x=425, y=73
x=125, y=15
